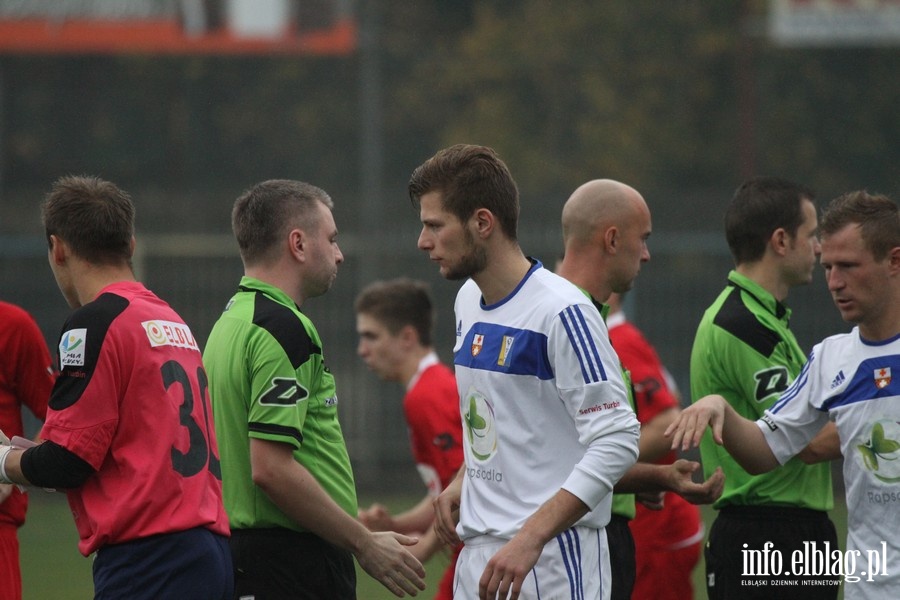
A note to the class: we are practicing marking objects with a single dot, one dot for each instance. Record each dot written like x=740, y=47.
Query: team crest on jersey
x=169, y=333
x=882, y=377
x=71, y=348
x=505, y=348
x=477, y=344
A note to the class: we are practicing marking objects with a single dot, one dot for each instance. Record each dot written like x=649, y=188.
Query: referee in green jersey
x=745, y=351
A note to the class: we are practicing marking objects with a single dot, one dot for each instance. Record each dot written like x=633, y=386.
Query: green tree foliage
x=676, y=97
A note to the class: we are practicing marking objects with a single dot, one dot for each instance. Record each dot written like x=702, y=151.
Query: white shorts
x=572, y=566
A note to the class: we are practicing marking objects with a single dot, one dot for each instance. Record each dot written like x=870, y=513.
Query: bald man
x=606, y=225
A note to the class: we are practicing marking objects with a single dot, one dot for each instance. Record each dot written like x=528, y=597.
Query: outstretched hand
x=385, y=558
x=696, y=493
x=376, y=518
x=689, y=425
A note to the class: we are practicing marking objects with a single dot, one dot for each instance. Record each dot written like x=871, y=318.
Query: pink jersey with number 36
x=132, y=400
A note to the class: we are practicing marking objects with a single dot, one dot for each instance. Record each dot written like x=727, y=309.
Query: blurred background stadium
x=186, y=103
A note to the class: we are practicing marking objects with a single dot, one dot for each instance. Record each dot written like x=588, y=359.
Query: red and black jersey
x=132, y=401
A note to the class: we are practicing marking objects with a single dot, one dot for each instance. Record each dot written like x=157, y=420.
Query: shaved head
x=597, y=204
x=605, y=229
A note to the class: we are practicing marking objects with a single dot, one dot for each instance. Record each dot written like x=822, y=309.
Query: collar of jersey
x=603, y=308
x=250, y=284
x=762, y=296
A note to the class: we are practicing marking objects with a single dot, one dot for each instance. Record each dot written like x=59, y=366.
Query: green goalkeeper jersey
x=268, y=381
x=745, y=352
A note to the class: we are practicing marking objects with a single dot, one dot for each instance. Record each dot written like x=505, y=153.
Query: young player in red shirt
x=394, y=320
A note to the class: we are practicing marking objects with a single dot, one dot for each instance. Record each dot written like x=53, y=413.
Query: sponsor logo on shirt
x=505, y=347
x=880, y=450
x=882, y=377
x=71, y=348
x=477, y=344
x=600, y=407
x=459, y=329
x=168, y=333
x=481, y=427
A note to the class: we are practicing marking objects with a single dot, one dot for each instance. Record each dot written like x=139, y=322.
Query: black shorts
x=277, y=563
x=186, y=564
x=740, y=529
x=621, y=557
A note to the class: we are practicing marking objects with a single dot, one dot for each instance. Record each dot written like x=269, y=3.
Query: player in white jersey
x=547, y=426
x=847, y=380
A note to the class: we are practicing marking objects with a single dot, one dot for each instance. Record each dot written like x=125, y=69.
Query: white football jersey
x=849, y=381
x=543, y=405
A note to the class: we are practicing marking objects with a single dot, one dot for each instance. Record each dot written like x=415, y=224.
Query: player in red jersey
x=129, y=432
x=667, y=542
x=394, y=320
x=26, y=378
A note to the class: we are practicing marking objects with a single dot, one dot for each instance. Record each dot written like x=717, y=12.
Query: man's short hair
x=468, y=178
x=262, y=215
x=92, y=216
x=876, y=215
x=396, y=303
x=759, y=207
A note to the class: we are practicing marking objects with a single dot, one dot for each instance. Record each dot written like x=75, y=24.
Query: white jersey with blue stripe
x=850, y=381
x=543, y=404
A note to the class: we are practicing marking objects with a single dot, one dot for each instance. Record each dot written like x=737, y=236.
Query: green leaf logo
x=480, y=431
x=878, y=448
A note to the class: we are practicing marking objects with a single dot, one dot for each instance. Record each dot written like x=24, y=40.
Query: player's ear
x=894, y=260
x=484, y=222
x=58, y=250
x=780, y=240
x=295, y=242
x=408, y=335
x=611, y=239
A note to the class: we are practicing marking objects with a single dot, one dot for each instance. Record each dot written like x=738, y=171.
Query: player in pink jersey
x=129, y=431
x=394, y=320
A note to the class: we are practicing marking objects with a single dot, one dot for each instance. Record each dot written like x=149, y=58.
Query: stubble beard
x=471, y=264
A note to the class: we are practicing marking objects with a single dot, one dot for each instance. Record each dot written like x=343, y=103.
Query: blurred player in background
x=394, y=320
x=668, y=541
x=26, y=379
x=289, y=486
x=128, y=432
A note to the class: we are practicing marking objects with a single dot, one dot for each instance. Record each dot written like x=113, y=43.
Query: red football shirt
x=132, y=401
x=679, y=522
x=431, y=406
x=26, y=378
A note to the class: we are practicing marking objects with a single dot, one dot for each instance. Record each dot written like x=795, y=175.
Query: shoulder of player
x=293, y=331
x=100, y=312
x=749, y=325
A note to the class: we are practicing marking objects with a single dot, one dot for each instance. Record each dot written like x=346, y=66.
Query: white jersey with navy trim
x=543, y=405
x=849, y=381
